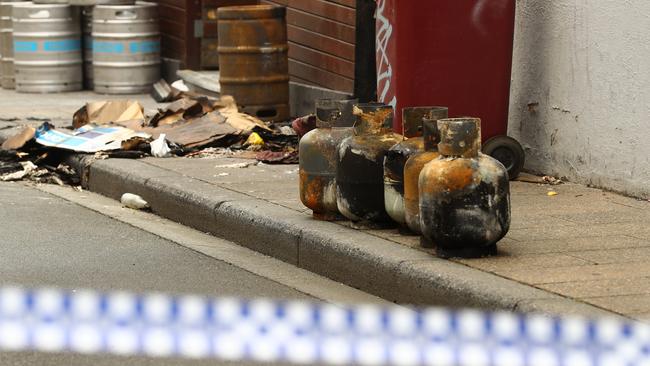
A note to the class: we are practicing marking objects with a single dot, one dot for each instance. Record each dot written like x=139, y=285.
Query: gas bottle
x=360, y=171
x=397, y=157
x=317, y=157
x=464, y=194
x=416, y=162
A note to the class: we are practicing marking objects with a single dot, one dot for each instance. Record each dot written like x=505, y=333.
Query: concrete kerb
x=358, y=259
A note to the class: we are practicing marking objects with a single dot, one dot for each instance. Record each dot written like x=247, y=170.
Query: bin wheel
x=508, y=151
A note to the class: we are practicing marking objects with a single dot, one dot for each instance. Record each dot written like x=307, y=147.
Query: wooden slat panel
x=172, y=28
x=321, y=43
x=349, y=3
x=218, y=3
x=302, y=81
x=275, y=2
x=321, y=77
x=326, y=9
x=193, y=44
x=172, y=47
x=321, y=60
x=320, y=25
x=172, y=14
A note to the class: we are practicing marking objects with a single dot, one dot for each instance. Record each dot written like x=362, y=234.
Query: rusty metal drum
x=47, y=48
x=6, y=45
x=126, y=48
x=253, y=59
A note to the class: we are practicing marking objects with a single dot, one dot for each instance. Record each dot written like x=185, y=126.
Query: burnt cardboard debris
x=120, y=129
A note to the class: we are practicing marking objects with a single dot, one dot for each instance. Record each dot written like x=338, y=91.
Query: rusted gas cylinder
x=396, y=159
x=464, y=194
x=317, y=152
x=415, y=164
x=253, y=59
x=360, y=170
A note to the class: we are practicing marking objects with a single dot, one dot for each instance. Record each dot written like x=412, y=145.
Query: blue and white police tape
x=157, y=325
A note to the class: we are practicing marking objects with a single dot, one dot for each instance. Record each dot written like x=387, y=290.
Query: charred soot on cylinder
x=397, y=157
x=318, y=151
x=253, y=59
x=464, y=194
x=360, y=171
x=415, y=164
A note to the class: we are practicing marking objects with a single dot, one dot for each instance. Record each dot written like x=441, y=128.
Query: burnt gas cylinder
x=464, y=195
x=360, y=171
x=317, y=157
x=415, y=164
x=397, y=156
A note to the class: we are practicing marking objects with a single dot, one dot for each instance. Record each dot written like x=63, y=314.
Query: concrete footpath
x=583, y=251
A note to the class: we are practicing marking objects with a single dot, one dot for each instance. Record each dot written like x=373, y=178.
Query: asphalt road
x=46, y=240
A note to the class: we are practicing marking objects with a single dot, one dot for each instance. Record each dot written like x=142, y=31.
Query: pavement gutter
x=374, y=265
x=363, y=261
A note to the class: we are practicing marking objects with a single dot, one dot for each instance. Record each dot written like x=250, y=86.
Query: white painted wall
x=580, y=97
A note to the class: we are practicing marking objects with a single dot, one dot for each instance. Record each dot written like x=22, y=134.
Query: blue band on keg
x=107, y=47
x=25, y=46
x=144, y=47
x=66, y=45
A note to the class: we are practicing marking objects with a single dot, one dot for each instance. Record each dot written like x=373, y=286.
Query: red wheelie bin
x=455, y=53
